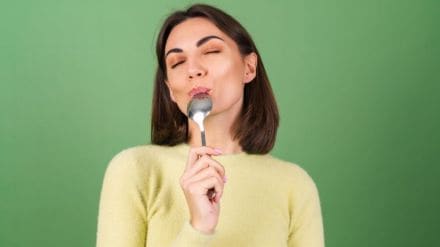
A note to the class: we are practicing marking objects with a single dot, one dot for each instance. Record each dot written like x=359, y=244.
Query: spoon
x=198, y=108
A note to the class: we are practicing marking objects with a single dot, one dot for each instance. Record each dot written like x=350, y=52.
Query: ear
x=170, y=91
x=250, y=70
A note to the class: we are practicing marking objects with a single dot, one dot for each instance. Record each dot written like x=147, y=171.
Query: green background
x=357, y=84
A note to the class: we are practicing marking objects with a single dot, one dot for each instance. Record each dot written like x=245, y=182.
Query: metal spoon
x=198, y=108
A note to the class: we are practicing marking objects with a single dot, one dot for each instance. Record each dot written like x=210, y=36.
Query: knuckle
x=205, y=158
x=220, y=170
x=211, y=170
x=200, y=165
x=215, y=180
x=204, y=162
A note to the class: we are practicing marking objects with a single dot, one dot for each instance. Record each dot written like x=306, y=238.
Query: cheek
x=175, y=84
x=229, y=84
x=229, y=74
x=179, y=94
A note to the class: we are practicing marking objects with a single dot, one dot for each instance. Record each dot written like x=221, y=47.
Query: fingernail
x=218, y=151
x=225, y=179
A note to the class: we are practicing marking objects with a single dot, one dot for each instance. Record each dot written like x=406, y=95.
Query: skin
x=200, y=55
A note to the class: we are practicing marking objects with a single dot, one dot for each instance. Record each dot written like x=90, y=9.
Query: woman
x=157, y=195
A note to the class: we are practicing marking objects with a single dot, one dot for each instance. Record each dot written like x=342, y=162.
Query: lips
x=199, y=90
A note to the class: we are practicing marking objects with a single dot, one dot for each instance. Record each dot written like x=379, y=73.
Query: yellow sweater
x=266, y=202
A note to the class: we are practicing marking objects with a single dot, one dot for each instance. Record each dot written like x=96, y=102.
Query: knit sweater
x=266, y=202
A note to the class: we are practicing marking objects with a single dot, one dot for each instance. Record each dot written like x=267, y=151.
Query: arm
x=122, y=216
x=306, y=228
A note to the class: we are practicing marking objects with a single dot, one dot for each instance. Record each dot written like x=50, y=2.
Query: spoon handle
x=203, y=138
x=211, y=192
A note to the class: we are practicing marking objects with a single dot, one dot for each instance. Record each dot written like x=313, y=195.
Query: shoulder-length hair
x=255, y=127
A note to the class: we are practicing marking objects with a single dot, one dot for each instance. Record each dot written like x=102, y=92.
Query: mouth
x=199, y=90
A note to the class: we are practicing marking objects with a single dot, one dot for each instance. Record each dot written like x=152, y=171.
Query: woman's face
x=202, y=59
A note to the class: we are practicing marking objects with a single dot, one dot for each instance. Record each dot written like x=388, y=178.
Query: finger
x=218, y=186
x=204, y=173
x=209, y=171
x=201, y=187
x=195, y=153
x=202, y=163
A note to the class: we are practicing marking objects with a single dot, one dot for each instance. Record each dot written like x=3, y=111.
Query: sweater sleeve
x=122, y=215
x=190, y=237
x=306, y=228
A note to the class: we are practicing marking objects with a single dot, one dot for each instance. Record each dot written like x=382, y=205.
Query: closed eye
x=176, y=64
x=212, y=51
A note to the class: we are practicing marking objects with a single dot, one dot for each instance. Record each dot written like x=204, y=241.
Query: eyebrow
x=198, y=44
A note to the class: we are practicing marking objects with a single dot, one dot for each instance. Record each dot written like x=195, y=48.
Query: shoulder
x=294, y=175
x=301, y=189
x=137, y=153
x=283, y=167
x=138, y=159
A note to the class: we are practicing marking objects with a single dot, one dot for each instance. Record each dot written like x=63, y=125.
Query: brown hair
x=255, y=127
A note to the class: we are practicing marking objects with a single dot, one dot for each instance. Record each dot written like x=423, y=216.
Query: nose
x=195, y=70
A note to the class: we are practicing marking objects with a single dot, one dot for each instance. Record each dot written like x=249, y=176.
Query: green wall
x=357, y=84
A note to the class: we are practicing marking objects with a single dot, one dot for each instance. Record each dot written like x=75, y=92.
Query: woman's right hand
x=201, y=174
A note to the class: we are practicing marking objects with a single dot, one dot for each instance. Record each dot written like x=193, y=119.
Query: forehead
x=190, y=31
